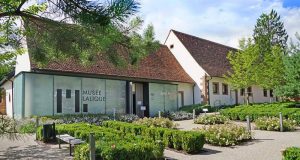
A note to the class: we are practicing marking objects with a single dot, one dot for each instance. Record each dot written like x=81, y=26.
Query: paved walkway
x=25, y=147
x=266, y=145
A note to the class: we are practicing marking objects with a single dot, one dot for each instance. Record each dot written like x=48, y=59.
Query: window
x=224, y=89
x=85, y=107
x=265, y=93
x=215, y=88
x=59, y=100
x=249, y=91
x=242, y=91
x=77, y=100
x=271, y=92
x=68, y=93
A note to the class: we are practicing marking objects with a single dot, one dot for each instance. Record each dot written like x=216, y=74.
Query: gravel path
x=267, y=145
x=25, y=147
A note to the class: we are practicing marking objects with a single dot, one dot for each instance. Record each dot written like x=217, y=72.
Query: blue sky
x=223, y=21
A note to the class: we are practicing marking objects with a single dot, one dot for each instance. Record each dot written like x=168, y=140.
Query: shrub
x=181, y=115
x=188, y=141
x=288, y=110
x=211, y=119
x=28, y=127
x=272, y=124
x=225, y=134
x=122, y=151
x=156, y=122
x=198, y=108
x=127, y=117
x=291, y=153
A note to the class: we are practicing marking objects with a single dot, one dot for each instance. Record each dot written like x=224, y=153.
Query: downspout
x=208, y=96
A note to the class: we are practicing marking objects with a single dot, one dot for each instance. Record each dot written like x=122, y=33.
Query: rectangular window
x=215, y=87
x=271, y=92
x=249, y=91
x=242, y=91
x=68, y=93
x=59, y=100
x=265, y=93
x=85, y=107
x=77, y=100
x=224, y=89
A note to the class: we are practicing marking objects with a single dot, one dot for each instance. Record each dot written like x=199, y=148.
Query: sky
x=222, y=21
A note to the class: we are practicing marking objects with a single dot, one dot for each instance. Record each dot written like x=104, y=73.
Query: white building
x=206, y=63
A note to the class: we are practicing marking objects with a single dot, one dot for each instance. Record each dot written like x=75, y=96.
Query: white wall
x=9, y=97
x=187, y=91
x=23, y=61
x=258, y=96
x=188, y=63
x=220, y=99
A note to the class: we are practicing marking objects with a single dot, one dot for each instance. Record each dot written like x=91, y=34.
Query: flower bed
x=177, y=116
x=156, y=122
x=211, y=119
x=291, y=153
x=198, y=108
x=272, y=124
x=288, y=110
x=225, y=134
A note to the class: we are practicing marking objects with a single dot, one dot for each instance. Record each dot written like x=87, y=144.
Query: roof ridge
x=203, y=39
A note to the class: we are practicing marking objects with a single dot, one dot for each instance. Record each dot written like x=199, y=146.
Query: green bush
x=28, y=127
x=288, y=110
x=198, y=108
x=122, y=151
x=156, y=122
x=225, y=134
x=291, y=153
x=188, y=141
x=272, y=124
x=211, y=119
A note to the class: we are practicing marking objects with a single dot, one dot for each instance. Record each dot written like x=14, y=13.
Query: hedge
x=188, y=141
x=291, y=153
x=288, y=110
x=198, y=108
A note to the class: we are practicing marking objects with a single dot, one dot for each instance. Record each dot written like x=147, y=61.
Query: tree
x=291, y=86
x=81, y=29
x=269, y=31
x=242, y=66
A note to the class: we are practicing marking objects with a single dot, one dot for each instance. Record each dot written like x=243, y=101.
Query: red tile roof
x=211, y=56
x=161, y=65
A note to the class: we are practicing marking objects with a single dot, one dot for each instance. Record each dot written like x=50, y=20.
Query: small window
x=249, y=91
x=242, y=91
x=172, y=46
x=271, y=92
x=215, y=88
x=85, y=107
x=224, y=89
x=265, y=93
x=68, y=93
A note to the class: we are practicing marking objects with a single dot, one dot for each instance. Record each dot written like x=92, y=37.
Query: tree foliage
x=81, y=29
x=269, y=31
x=291, y=85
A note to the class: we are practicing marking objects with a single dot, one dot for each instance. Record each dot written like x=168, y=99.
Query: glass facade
x=163, y=97
x=18, y=96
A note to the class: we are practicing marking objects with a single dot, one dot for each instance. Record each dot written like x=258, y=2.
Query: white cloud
x=222, y=21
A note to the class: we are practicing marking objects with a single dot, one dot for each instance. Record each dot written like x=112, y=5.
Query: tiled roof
x=209, y=55
x=161, y=65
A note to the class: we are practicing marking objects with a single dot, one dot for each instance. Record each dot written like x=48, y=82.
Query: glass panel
x=115, y=96
x=156, y=99
x=64, y=83
x=18, y=96
x=170, y=97
x=93, y=94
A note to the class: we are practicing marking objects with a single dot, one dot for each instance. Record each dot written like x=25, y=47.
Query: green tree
x=269, y=31
x=242, y=66
x=290, y=88
x=81, y=29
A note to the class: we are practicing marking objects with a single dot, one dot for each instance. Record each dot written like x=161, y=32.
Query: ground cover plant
x=156, y=122
x=225, y=134
x=272, y=124
x=177, y=116
x=211, y=119
x=288, y=110
x=291, y=153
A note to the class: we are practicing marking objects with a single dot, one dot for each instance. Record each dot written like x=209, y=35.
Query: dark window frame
x=68, y=93
x=265, y=92
x=242, y=92
x=85, y=108
x=217, y=88
x=224, y=89
x=271, y=93
x=249, y=91
x=59, y=101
